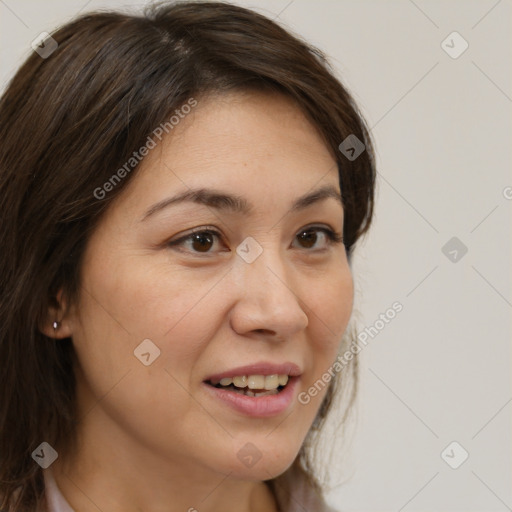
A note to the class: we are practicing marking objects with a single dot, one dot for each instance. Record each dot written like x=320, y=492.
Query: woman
x=183, y=192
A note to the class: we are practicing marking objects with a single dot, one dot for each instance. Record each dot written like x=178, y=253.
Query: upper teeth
x=256, y=381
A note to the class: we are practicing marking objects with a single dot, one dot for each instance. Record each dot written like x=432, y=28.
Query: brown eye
x=199, y=242
x=309, y=238
x=202, y=242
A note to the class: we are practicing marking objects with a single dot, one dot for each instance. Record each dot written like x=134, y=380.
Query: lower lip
x=258, y=407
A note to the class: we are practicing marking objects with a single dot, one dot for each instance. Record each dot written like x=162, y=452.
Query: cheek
x=329, y=310
x=145, y=299
x=329, y=314
x=151, y=402
x=180, y=312
x=124, y=303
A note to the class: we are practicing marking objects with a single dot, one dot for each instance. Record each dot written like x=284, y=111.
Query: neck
x=121, y=477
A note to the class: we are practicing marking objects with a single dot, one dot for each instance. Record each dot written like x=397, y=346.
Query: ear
x=58, y=312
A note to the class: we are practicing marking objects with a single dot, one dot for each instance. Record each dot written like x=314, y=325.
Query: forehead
x=250, y=123
x=259, y=145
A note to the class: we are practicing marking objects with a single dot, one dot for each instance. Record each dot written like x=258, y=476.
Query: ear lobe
x=59, y=331
x=56, y=323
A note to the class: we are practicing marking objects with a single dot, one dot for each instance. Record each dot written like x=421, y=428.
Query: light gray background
x=440, y=371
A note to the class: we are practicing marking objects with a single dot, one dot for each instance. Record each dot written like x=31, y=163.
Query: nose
x=267, y=302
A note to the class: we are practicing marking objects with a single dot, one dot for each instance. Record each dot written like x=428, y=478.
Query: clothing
x=54, y=499
x=301, y=497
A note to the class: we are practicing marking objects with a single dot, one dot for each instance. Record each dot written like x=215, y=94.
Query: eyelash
x=333, y=237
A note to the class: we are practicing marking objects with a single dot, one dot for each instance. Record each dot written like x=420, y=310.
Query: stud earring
x=55, y=325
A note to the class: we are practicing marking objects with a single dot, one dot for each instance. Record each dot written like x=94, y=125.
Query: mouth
x=252, y=385
x=259, y=390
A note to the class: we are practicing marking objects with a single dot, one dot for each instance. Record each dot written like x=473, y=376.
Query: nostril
x=264, y=331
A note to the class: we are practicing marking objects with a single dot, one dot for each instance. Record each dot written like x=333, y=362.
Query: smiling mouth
x=252, y=385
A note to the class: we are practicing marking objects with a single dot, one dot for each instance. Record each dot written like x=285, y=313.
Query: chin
x=252, y=463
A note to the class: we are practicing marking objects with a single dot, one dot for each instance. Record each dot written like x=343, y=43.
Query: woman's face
x=260, y=294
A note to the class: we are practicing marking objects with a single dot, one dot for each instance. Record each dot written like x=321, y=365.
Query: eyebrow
x=237, y=204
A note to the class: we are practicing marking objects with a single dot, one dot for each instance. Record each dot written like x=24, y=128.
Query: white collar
x=54, y=498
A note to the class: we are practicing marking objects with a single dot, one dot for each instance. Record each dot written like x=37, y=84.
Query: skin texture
x=150, y=437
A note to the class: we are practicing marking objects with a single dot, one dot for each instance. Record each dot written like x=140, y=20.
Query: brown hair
x=67, y=122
